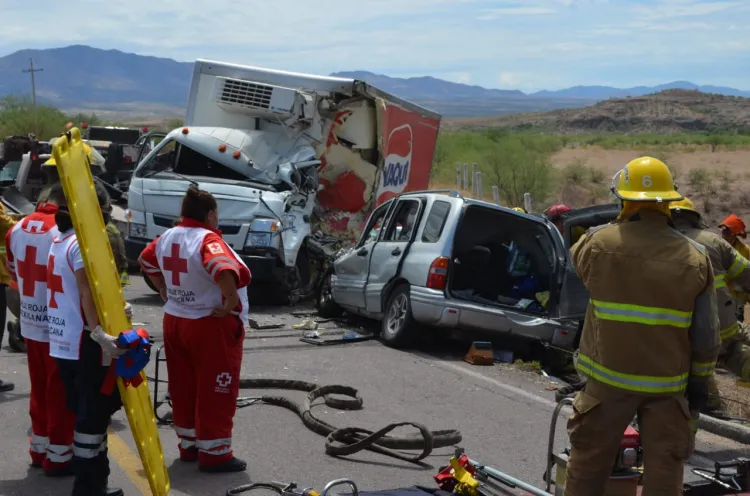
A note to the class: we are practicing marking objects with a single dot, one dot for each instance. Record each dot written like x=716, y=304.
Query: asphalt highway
x=503, y=413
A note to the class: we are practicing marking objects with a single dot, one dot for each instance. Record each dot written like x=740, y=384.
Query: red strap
x=110, y=381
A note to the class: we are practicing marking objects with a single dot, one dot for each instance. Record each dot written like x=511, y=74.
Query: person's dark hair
x=62, y=216
x=197, y=203
x=56, y=194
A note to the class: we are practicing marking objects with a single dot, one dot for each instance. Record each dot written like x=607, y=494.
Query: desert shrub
x=702, y=182
x=517, y=168
x=577, y=172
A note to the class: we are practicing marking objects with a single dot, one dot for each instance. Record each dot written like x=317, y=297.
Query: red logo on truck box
x=408, y=153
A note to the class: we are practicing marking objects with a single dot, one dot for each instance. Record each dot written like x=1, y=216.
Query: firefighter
x=28, y=245
x=118, y=248
x=6, y=224
x=203, y=282
x=732, y=229
x=731, y=269
x=650, y=338
x=555, y=215
x=83, y=352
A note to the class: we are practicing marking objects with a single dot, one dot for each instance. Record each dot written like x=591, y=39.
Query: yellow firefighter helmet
x=94, y=157
x=684, y=205
x=645, y=179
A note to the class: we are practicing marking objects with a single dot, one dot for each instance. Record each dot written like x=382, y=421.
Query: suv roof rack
x=453, y=192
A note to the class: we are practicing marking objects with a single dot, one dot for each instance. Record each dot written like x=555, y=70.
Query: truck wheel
x=327, y=307
x=149, y=283
x=289, y=284
x=399, y=329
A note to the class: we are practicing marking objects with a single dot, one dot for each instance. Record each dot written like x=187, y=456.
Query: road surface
x=503, y=414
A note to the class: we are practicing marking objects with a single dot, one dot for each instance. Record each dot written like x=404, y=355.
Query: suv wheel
x=327, y=307
x=399, y=329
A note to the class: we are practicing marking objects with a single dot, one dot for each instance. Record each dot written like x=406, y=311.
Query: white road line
x=494, y=382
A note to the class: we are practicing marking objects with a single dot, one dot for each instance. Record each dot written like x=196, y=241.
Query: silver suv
x=437, y=259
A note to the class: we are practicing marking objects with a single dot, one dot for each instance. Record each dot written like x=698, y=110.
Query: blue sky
x=527, y=45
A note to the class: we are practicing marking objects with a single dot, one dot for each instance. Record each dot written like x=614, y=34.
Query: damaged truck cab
x=286, y=155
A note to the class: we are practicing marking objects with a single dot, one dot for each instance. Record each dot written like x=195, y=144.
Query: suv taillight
x=437, y=278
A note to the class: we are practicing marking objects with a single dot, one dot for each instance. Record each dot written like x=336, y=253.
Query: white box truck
x=286, y=155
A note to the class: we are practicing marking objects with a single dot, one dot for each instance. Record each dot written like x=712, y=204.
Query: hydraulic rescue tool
x=467, y=477
x=626, y=473
x=291, y=489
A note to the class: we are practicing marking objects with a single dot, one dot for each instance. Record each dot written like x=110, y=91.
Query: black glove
x=697, y=395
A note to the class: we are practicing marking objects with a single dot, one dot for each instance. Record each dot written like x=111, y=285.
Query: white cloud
x=493, y=14
x=584, y=42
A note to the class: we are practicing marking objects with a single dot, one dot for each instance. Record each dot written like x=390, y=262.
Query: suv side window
x=404, y=221
x=433, y=227
x=374, y=225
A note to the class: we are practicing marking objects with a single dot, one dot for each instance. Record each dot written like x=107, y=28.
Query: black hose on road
x=350, y=440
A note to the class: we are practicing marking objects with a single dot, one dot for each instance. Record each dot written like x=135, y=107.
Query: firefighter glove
x=107, y=342
x=697, y=395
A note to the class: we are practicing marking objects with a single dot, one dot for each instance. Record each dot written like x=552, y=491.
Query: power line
x=31, y=70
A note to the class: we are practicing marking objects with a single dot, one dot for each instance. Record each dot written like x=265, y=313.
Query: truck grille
x=245, y=94
x=167, y=222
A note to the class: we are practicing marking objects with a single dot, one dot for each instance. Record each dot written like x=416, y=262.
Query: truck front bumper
x=261, y=267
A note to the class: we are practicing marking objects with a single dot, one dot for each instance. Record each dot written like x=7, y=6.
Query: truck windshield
x=180, y=159
x=9, y=173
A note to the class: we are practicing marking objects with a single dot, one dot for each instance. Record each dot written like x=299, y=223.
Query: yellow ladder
x=78, y=184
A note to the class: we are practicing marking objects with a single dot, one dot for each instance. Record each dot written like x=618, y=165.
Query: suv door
x=573, y=299
x=350, y=270
x=391, y=248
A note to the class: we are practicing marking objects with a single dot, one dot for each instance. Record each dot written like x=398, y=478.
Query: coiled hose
x=350, y=440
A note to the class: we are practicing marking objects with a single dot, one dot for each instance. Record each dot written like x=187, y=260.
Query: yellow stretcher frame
x=78, y=185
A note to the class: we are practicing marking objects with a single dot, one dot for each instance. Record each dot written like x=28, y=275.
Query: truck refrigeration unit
x=287, y=156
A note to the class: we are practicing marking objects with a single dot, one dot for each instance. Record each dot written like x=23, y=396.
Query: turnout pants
x=204, y=357
x=735, y=357
x=600, y=416
x=52, y=422
x=83, y=380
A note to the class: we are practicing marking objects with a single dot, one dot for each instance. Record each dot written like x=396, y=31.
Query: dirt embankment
x=669, y=111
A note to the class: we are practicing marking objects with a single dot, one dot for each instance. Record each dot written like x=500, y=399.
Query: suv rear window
x=435, y=223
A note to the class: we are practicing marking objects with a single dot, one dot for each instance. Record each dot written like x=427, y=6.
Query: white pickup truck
x=286, y=155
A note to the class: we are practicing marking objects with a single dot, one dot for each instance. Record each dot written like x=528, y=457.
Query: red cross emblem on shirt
x=54, y=282
x=30, y=272
x=175, y=264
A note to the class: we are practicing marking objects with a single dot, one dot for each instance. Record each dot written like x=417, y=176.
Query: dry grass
x=717, y=182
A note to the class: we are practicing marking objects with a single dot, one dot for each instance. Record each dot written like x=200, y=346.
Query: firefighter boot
x=233, y=465
x=15, y=340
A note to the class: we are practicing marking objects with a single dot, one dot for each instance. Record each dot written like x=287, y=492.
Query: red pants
x=204, y=357
x=52, y=424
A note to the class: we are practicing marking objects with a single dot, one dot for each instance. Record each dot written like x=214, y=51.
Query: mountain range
x=80, y=77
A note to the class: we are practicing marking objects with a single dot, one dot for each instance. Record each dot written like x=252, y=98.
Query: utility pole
x=31, y=70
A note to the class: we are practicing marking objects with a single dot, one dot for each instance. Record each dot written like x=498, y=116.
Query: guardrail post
x=527, y=202
x=496, y=194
